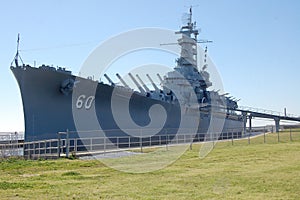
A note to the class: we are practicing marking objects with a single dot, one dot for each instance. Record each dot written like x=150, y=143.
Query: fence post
x=104, y=144
x=141, y=141
x=264, y=136
x=45, y=149
x=278, y=137
x=159, y=139
x=232, y=138
x=129, y=141
x=141, y=144
x=192, y=140
x=58, y=146
x=50, y=148
x=117, y=142
x=75, y=145
x=91, y=144
x=167, y=141
x=67, y=144
x=26, y=149
x=249, y=137
x=16, y=145
x=34, y=151
x=39, y=149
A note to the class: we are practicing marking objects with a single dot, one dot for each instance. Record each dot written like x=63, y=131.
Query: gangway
x=249, y=113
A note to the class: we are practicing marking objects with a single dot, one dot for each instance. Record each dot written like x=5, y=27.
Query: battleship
x=50, y=95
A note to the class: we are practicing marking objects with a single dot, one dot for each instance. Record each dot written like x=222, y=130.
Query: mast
x=188, y=43
x=17, y=56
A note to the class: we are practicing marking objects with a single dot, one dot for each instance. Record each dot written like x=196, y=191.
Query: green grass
x=239, y=171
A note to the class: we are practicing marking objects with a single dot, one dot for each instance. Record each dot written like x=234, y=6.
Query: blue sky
x=256, y=43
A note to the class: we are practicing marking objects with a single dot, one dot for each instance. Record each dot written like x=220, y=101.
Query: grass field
x=239, y=171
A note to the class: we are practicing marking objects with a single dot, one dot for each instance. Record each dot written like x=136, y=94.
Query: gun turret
x=155, y=87
x=142, y=82
x=122, y=81
x=136, y=83
x=159, y=77
x=109, y=80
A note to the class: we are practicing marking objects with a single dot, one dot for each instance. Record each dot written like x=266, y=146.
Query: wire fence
x=66, y=146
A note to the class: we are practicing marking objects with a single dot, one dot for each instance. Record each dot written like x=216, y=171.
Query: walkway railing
x=69, y=146
x=7, y=136
x=11, y=144
x=268, y=112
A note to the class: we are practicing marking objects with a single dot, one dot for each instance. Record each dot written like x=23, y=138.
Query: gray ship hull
x=48, y=111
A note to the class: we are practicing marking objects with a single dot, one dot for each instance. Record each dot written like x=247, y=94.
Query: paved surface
x=110, y=155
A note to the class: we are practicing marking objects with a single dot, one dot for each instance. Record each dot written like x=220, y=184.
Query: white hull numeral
x=86, y=102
